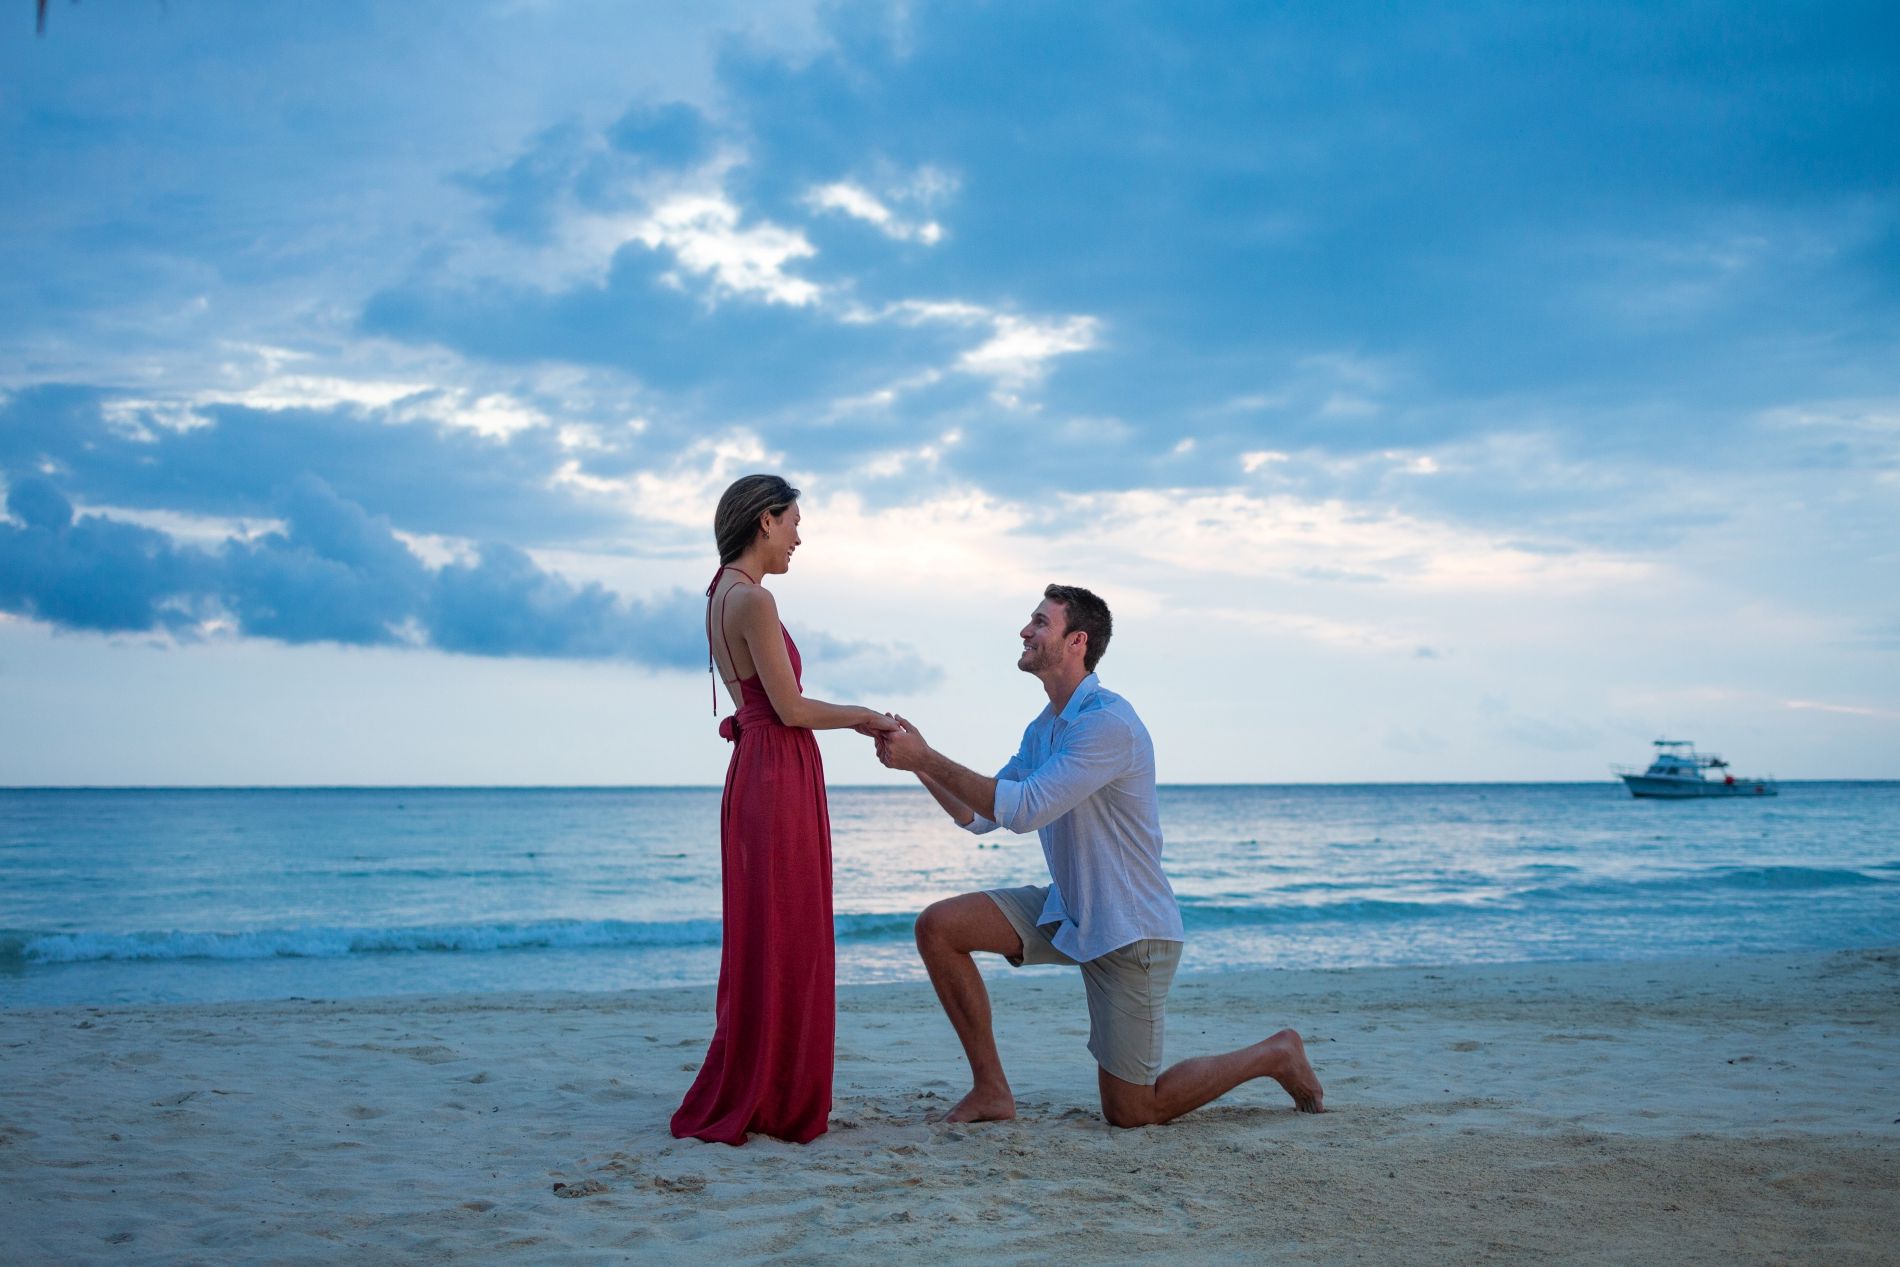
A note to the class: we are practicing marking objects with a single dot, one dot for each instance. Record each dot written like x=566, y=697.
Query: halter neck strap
x=710, y=664
x=725, y=568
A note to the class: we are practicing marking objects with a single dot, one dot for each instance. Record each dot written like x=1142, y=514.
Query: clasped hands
x=900, y=745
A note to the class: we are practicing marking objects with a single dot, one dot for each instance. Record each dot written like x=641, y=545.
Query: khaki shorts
x=1127, y=987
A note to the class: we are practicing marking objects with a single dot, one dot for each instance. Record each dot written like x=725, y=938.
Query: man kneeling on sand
x=1084, y=781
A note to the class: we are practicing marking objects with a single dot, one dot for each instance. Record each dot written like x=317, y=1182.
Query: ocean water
x=137, y=896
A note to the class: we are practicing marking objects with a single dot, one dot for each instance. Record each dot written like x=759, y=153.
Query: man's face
x=1043, y=638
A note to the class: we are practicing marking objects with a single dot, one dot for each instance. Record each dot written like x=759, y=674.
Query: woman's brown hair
x=736, y=522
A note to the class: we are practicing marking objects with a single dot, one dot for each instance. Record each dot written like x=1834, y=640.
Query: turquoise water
x=132, y=896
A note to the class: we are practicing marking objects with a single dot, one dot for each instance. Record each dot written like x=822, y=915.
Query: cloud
x=1500, y=237
x=503, y=604
x=1019, y=351
x=522, y=195
x=337, y=574
x=1845, y=710
x=93, y=573
x=434, y=463
x=671, y=134
x=1015, y=354
x=704, y=233
x=859, y=204
x=662, y=272
x=868, y=667
x=1277, y=534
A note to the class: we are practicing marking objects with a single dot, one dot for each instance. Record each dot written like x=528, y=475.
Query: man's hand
x=903, y=748
x=962, y=792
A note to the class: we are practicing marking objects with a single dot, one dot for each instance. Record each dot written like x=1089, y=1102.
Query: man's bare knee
x=1126, y=1104
x=966, y=923
x=932, y=927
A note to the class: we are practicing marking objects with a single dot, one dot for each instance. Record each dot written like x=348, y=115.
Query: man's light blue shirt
x=1084, y=781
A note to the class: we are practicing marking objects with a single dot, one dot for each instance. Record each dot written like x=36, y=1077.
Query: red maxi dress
x=769, y=1066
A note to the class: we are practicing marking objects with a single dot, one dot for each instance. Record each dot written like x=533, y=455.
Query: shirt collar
x=1083, y=689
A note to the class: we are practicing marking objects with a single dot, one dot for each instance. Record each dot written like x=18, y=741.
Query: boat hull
x=1670, y=789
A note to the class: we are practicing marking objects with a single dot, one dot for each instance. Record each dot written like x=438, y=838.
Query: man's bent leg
x=1192, y=1083
x=948, y=932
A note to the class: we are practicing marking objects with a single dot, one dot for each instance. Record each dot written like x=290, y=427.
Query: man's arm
x=975, y=793
x=951, y=805
x=963, y=793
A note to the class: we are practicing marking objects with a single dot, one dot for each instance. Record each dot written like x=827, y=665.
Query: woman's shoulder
x=745, y=599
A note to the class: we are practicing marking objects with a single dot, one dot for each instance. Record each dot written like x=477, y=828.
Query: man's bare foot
x=1288, y=1066
x=984, y=1105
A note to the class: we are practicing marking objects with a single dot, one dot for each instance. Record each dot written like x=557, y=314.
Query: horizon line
x=854, y=787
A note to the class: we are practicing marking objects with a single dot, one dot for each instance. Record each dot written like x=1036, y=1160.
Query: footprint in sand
x=363, y=1112
x=584, y=1188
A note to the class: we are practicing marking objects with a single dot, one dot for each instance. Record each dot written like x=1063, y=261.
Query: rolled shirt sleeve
x=1012, y=769
x=1093, y=753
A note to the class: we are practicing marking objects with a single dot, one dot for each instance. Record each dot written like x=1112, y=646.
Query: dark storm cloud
x=93, y=573
x=504, y=604
x=339, y=574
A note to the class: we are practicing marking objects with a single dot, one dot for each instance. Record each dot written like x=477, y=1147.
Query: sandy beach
x=1734, y=1111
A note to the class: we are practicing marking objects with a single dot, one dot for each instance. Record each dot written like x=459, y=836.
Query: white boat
x=1677, y=773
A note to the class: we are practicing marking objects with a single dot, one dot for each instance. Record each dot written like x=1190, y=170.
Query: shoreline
x=994, y=972
x=1738, y=1109
x=993, y=969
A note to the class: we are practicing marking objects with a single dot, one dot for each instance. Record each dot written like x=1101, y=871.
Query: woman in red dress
x=769, y=1066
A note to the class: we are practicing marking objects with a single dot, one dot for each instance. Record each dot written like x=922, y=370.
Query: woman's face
x=781, y=538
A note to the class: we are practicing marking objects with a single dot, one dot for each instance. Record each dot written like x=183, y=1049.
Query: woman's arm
x=756, y=621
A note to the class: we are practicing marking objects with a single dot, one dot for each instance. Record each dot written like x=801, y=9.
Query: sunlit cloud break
x=704, y=233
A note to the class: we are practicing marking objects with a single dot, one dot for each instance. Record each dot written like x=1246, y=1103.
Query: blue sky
x=1456, y=392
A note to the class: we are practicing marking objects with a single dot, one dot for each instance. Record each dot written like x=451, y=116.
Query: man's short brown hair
x=1083, y=611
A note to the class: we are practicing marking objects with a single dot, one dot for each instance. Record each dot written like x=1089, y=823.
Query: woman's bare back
x=731, y=654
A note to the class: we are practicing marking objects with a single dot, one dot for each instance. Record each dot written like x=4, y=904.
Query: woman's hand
x=875, y=724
